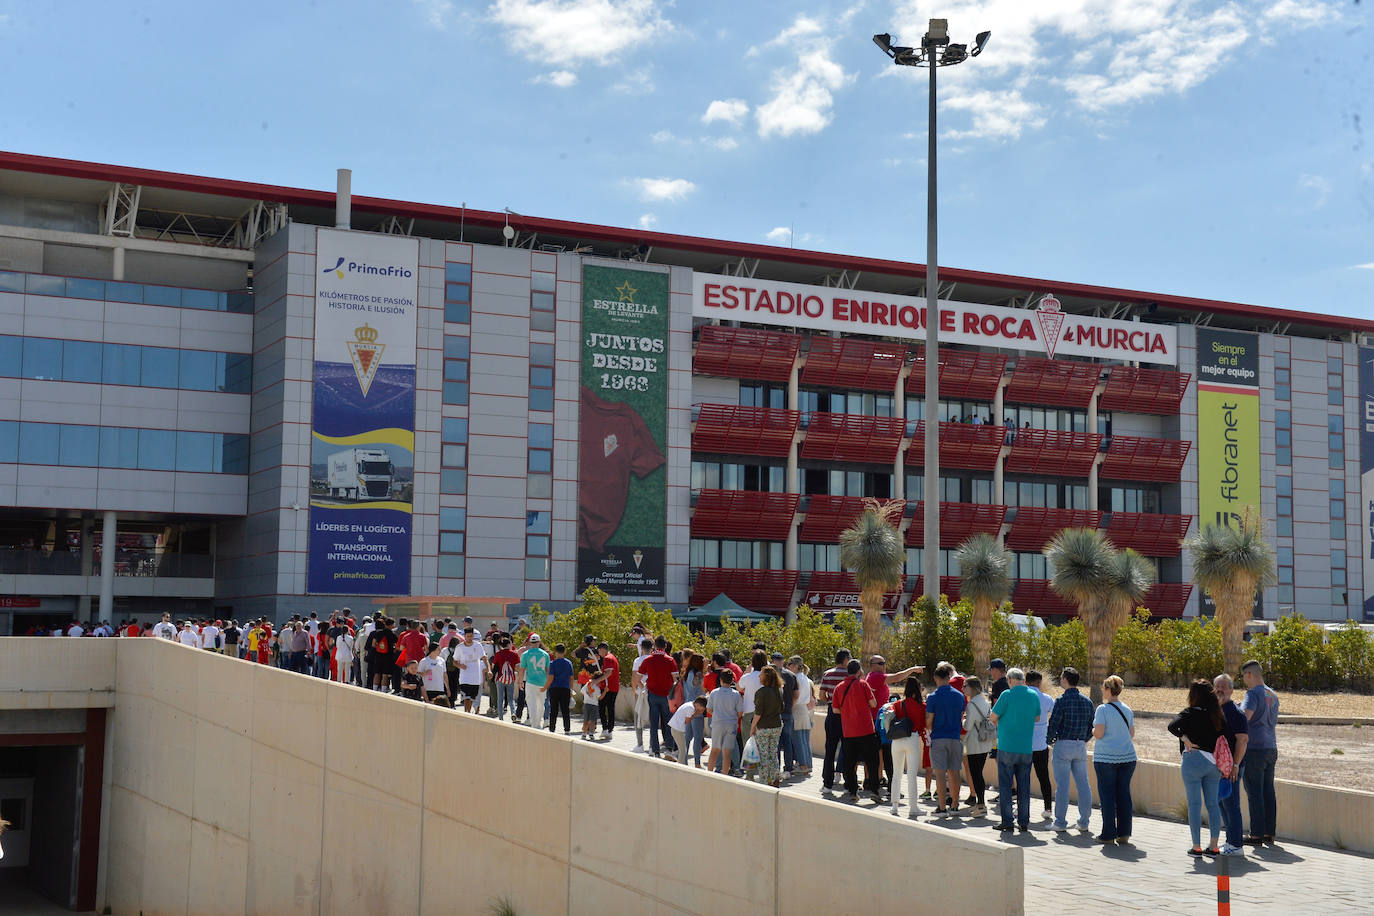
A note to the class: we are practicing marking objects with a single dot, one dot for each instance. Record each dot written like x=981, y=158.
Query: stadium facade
x=273, y=400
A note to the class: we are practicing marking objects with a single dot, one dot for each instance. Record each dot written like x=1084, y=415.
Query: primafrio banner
x=1046, y=330
x=1367, y=473
x=362, y=455
x=622, y=492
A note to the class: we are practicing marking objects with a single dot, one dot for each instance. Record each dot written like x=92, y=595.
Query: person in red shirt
x=660, y=673
x=505, y=668
x=610, y=665
x=854, y=699
x=132, y=629
x=881, y=681
x=413, y=642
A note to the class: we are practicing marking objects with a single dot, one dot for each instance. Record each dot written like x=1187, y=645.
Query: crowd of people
x=756, y=723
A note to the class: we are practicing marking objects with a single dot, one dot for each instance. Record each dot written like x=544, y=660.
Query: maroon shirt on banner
x=615, y=444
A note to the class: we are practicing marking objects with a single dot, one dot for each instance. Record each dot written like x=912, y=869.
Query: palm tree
x=985, y=580
x=1132, y=577
x=1083, y=563
x=1231, y=564
x=872, y=550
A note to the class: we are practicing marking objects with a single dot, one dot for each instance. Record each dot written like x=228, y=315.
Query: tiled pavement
x=1069, y=874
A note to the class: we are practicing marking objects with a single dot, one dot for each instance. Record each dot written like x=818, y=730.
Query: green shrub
x=1190, y=649
x=1354, y=656
x=608, y=620
x=1136, y=653
x=1294, y=655
x=1053, y=648
x=1008, y=642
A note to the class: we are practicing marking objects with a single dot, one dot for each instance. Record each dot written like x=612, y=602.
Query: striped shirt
x=832, y=679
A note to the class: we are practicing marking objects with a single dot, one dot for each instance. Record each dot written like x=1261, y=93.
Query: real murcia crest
x=1051, y=322
x=367, y=355
x=638, y=558
x=609, y=444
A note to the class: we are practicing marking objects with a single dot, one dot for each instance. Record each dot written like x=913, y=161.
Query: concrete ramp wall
x=240, y=789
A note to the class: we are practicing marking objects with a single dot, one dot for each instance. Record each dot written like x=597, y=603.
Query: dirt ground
x=1306, y=752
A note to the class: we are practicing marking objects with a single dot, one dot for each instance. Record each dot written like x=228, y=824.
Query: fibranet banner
x=1367, y=473
x=1045, y=331
x=622, y=492
x=1228, y=432
x=362, y=455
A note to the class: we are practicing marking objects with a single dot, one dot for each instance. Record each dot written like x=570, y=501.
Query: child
x=592, y=692
x=725, y=705
x=682, y=721
x=411, y=685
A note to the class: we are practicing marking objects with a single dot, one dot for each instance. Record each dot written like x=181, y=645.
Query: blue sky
x=1215, y=149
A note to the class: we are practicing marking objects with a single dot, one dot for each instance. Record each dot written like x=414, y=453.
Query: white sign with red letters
x=1045, y=330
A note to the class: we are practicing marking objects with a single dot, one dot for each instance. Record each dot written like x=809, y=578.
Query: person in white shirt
x=165, y=629
x=360, y=645
x=313, y=624
x=678, y=725
x=75, y=630
x=433, y=671
x=344, y=644
x=749, y=685
x=646, y=647
x=209, y=637
x=1040, y=753
x=803, y=715
x=471, y=660
x=188, y=635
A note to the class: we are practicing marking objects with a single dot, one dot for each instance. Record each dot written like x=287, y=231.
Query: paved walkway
x=1070, y=874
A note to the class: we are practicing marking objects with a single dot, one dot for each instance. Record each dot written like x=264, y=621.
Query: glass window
x=1337, y=577
x=536, y=522
x=197, y=370
x=171, y=296
x=161, y=367
x=42, y=358
x=542, y=320
x=537, y=545
x=541, y=302
x=80, y=446
x=541, y=435
x=454, y=456
x=455, y=429
x=450, y=567
x=1283, y=527
x=124, y=292
x=1335, y=424
x=238, y=373
x=1283, y=456
x=11, y=282
x=1336, y=488
x=1338, y=529
x=455, y=370
x=38, y=443
x=1335, y=364
x=457, y=347
x=156, y=449
x=451, y=542
x=542, y=281
x=457, y=273
x=539, y=486
x=541, y=399
x=196, y=452
x=122, y=364
x=457, y=292
x=451, y=519
x=541, y=378
x=536, y=567
x=9, y=441
x=457, y=312
x=1338, y=509
x=118, y=447
x=1285, y=505
x=1284, y=485
x=235, y=451
x=45, y=285
x=11, y=354
x=541, y=460
x=80, y=361
x=453, y=480
x=455, y=393
x=1283, y=438
x=541, y=354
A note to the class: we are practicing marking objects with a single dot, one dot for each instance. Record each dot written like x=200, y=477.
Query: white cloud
x=666, y=189
x=802, y=101
x=996, y=115
x=636, y=82
x=779, y=234
x=647, y=221
x=1319, y=187
x=724, y=144
x=732, y=111
x=560, y=78
x=664, y=136
x=568, y=33
x=802, y=27
x=1298, y=13
x=1369, y=266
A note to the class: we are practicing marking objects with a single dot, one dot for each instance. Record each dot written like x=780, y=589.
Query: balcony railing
x=147, y=564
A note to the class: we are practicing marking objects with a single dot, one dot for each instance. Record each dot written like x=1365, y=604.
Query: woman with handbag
x=1202, y=731
x=1114, y=762
x=979, y=740
x=908, y=724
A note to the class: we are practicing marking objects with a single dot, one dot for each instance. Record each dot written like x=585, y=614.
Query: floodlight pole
x=930, y=555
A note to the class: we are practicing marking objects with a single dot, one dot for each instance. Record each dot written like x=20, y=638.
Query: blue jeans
x=1070, y=759
x=785, y=741
x=696, y=737
x=801, y=747
x=1114, y=791
x=1013, y=766
x=1230, y=814
x=1257, y=772
x=505, y=699
x=658, y=722
x=1200, y=779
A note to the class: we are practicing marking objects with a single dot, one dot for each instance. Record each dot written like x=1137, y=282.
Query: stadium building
x=219, y=396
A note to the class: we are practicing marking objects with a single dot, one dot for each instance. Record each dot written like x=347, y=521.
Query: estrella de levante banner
x=362, y=454
x=622, y=492
x=1228, y=430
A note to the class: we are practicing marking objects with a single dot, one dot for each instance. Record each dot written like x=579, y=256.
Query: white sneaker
x=639, y=748
x=1229, y=850
x=1047, y=815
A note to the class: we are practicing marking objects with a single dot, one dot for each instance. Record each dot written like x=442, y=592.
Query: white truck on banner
x=360, y=474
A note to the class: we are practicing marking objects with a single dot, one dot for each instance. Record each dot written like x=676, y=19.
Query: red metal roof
x=949, y=587
x=767, y=590
x=1168, y=599
x=745, y=515
x=1149, y=533
x=853, y=363
x=1036, y=596
x=1136, y=390
x=957, y=522
x=826, y=516
x=244, y=190
x=852, y=437
x=748, y=353
x=964, y=374
x=1056, y=382
x=966, y=446
x=730, y=429
x=1057, y=452
x=1033, y=526
x=1139, y=458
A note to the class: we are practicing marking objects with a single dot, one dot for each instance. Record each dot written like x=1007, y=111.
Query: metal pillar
x=793, y=485
x=930, y=555
x=108, y=547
